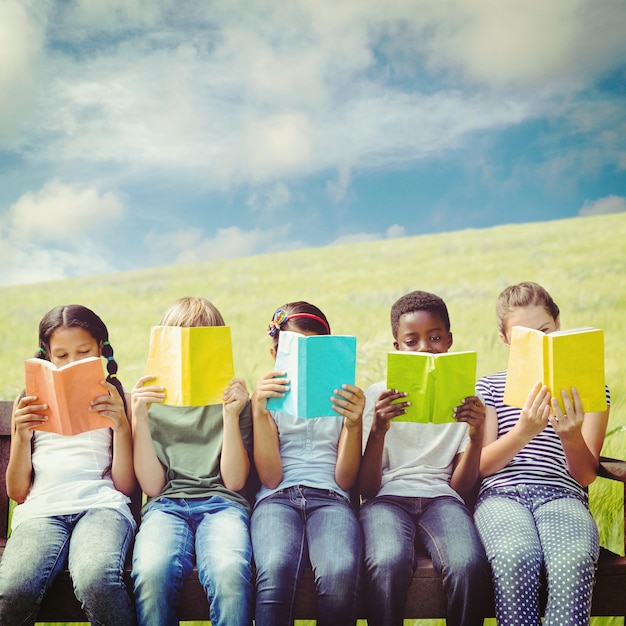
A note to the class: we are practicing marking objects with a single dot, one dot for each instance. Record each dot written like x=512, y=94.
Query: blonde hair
x=520, y=296
x=192, y=311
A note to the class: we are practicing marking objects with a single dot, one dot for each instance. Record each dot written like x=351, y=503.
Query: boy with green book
x=414, y=477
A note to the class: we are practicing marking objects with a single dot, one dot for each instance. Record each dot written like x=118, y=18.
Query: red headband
x=280, y=317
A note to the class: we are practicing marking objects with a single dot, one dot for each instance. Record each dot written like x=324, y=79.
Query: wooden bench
x=425, y=597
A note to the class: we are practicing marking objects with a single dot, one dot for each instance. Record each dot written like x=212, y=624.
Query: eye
x=435, y=338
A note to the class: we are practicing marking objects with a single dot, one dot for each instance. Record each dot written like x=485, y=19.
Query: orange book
x=68, y=392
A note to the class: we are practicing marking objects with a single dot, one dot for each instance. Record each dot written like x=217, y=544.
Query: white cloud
x=22, y=39
x=395, y=231
x=602, y=206
x=63, y=213
x=269, y=200
x=192, y=246
x=57, y=232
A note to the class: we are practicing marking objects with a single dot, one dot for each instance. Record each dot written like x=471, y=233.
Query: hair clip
x=106, y=343
x=41, y=350
x=280, y=317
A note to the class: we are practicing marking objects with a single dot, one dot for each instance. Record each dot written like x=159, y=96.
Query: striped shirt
x=541, y=462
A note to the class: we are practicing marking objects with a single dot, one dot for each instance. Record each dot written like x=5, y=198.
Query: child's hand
x=235, y=396
x=535, y=413
x=25, y=417
x=349, y=403
x=142, y=397
x=386, y=409
x=473, y=412
x=110, y=405
x=569, y=423
x=273, y=385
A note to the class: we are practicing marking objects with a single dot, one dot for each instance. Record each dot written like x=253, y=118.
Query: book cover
x=560, y=360
x=435, y=383
x=316, y=365
x=68, y=392
x=195, y=365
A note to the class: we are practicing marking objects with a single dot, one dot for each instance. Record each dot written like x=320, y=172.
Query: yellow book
x=68, y=392
x=195, y=365
x=435, y=383
x=560, y=360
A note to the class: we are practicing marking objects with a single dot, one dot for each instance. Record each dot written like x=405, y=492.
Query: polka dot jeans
x=529, y=528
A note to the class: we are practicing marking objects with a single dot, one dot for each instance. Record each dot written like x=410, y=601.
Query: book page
x=526, y=364
x=316, y=365
x=68, y=392
x=435, y=383
x=194, y=364
x=577, y=360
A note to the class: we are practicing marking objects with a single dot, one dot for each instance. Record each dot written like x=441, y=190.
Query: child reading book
x=72, y=491
x=414, y=477
x=307, y=467
x=192, y=462
x=532, y=512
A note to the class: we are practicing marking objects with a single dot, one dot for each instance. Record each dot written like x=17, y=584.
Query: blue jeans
x=393, y=526
x=217, y=532
x=93, y=544
x=527, y=528
x=293, y=527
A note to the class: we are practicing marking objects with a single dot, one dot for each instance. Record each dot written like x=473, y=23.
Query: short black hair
x=414, y=302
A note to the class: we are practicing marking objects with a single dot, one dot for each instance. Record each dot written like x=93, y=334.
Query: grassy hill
x=581, y=261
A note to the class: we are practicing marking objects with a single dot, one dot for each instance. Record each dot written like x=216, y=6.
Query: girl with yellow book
x=532, y=512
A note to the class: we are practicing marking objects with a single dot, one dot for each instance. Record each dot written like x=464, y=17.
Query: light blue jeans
x=93, y=544
x=393, y=526
x=216, y=531
x=529, y=528
x=293, y=527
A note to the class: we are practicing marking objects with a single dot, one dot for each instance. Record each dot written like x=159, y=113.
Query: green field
x=581, y=261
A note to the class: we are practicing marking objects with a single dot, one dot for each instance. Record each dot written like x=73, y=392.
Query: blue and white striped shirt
x=542, y=461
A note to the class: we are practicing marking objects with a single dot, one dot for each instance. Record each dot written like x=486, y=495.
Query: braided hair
x=77, y=316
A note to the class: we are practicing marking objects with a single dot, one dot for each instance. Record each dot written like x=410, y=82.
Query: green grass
x=580, y=261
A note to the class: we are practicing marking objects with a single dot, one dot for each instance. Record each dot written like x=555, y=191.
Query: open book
x=316, y=365
x=68, y=392
x=195, y=365
x=560, y=360
x=435, y=383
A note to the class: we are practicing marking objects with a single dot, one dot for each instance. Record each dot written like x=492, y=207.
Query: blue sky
x=141, y=133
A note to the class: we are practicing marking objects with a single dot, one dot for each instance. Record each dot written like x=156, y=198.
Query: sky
x=147, y=133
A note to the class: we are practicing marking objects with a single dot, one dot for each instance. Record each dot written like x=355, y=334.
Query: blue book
x=316, y=365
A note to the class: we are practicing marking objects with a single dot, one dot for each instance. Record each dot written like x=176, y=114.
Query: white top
x=71, y=474
x=418, y=459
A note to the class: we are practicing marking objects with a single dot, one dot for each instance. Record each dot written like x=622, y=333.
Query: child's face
x=422, y=331
x=534, y=316
x=72, y=344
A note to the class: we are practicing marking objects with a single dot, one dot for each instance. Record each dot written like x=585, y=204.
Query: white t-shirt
x=70, y=476
x=418, y=459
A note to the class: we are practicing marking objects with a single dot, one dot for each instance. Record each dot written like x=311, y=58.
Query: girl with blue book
x=303, y=512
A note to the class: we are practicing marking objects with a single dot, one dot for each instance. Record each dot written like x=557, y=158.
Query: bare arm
x=370, y=474
x=20, y=469
x=111, y=405
x=499, y=452
x=467, y=464
x=149, y=470
x=265, y=432
x=234, y=462
x=349, y=401
x=582, y=436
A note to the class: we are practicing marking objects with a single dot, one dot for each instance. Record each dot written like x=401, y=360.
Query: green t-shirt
x=188, y=442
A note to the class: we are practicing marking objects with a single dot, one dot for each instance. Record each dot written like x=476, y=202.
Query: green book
x=435, y=383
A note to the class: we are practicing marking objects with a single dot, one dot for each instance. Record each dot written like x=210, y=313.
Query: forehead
x=421, y=322
x=70, y=336
x=533, y=316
